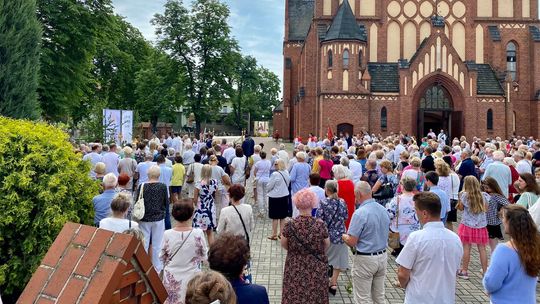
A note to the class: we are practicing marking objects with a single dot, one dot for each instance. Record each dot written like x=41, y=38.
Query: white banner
x=127, y=126
x=118, y=125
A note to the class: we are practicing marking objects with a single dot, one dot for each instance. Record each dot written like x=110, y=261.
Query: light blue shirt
x=443, y=197
x=506, y=280
x=501, y=173
x=102, y=205
x=165, y=176
x=299, y=177
x=370, y=224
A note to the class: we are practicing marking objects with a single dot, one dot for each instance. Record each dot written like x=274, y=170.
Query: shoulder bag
x=243, y=224
x=246, y=275
x=247, y=169
x=138, y=208
x=191, y=175
x=172, y=256
x=289, y=197
x=386, y=190
x=330, y=268
x=393, y=237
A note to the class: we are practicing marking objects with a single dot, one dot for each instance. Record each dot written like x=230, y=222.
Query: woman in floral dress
x=405, y=220
x=306, y=239
x=333, y=212
x=184, y=249
x=205, y=214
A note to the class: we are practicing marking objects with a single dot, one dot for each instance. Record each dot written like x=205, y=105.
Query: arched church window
x=490, y=119
x=384, y=118
x=345, y=58
x=330, y=59
x=360, y=58
x=511, y=60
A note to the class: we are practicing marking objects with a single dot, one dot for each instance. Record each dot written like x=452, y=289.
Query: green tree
x=20, y=35
x=199, y=40
x=120, y=56
x=43, y=184
x=71, y=30
x=159, y=89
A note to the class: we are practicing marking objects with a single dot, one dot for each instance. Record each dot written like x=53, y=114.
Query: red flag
x=329, y=134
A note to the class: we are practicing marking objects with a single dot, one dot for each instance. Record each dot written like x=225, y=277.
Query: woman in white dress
x=184, y=250
x=238, y=167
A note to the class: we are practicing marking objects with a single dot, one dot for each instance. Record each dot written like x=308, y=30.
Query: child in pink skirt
x=472, y=229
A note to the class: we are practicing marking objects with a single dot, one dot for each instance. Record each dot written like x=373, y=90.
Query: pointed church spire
x=344, y=26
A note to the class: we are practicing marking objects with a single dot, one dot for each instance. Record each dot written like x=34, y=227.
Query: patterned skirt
x=470, y=235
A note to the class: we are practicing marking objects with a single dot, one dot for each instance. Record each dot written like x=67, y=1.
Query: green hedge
x=43, y=184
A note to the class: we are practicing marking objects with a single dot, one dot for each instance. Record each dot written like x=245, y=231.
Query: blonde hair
x=471, y=187
x=154, y=172
x=209, y=286
x=441, y=167
x=386, y=164
x=416, y=162
x=206, y=172
x=280, y=164
x=127, y=151
x=100, y=168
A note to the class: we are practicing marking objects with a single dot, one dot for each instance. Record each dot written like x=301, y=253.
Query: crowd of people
x=332, y=201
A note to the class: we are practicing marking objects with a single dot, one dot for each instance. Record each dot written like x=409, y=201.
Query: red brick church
x=471, y=67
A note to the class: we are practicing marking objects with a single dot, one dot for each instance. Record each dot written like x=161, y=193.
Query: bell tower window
x=346, y=59
x=511, y=60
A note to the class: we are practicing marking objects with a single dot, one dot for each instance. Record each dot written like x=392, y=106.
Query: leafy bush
x=43, y=184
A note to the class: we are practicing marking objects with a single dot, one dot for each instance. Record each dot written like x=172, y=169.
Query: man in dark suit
x=248, y=146
x=428, y=163
x=467, y=166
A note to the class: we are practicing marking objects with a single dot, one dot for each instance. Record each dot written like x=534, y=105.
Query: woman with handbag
x=385, y=187
x=183, y=252
x=333, y=212
x=306, y=240
x=152, y=224
x=278, y=197
x=402, y=214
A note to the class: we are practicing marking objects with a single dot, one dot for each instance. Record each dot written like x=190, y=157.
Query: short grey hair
x=154, y=172
x=110, y=181
x=257, y=148
x=341, y=172
x=498, y=155
x=301, y=155
x=362, y=187
x=344, y=161
x=331, y=185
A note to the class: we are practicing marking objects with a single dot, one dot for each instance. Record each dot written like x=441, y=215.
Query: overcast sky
x=258, y=25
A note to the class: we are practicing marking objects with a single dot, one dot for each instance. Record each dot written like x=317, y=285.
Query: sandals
x=273, y=238
x=332, y=289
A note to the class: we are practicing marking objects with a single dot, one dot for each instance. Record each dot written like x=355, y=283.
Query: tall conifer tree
x=20, y=35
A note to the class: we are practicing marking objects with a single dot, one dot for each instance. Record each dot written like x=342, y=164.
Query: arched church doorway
x=436, y=112
x=345, y=128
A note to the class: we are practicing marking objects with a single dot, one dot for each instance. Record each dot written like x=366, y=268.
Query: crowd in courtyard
x=333, y=200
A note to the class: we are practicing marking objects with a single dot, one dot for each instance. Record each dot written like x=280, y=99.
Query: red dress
x=511, y=189
x=346, y=192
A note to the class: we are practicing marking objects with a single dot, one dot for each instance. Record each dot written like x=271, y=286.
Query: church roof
x=487, y=82
x=384, y=77
x=279, y=107
x=300, y=17
x=344, y=26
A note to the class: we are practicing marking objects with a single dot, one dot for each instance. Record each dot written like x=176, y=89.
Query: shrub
x=43, y=184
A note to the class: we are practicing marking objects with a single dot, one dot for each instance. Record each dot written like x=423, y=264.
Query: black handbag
x=386, y=191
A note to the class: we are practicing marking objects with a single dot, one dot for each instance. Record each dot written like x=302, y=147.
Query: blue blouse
x=506, y=280
x=333, y=212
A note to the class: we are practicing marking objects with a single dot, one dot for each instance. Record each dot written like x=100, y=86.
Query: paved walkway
x=268, y=260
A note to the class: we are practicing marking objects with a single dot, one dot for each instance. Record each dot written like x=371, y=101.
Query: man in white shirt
x=431, y=256
x=94, y=157
x=284, y=155
x=142, y=168
x=400, y=147
x=523, y=165
x=169, y=140
x=188, y=155
x=177, y=144
x=356, y=170
x=229, y=153
x=111, y=159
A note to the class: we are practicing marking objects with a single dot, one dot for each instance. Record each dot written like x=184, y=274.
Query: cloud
x=258, y=25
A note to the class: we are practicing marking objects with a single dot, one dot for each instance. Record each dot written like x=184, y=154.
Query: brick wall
x=90, y=265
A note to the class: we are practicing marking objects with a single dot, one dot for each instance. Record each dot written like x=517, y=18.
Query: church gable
x=436, y=54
